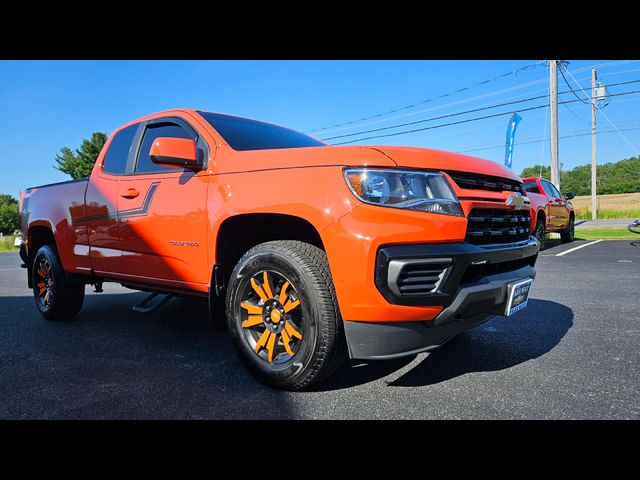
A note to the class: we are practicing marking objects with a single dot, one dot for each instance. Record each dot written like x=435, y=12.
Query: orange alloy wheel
x=271, y=317
x=45, y=283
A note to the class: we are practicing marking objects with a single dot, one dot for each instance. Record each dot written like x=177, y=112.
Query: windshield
x=245, y=134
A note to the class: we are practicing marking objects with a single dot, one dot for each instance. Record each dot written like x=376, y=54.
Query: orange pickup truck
x=316, y=253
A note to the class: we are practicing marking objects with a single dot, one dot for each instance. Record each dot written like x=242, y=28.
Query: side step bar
x=148, y=305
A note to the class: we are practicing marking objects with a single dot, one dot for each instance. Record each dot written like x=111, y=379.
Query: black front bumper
x=472, y=290
x=466, y=263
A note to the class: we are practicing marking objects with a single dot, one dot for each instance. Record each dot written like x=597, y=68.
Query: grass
x=6, y=244
x=608, y=213
x=623, y=205
x=606, y=234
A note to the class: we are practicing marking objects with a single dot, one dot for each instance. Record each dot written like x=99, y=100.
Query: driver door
x=163, y=215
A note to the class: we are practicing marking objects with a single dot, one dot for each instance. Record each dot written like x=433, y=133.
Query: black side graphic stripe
x=131, y=212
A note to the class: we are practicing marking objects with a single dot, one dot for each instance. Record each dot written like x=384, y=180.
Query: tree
x=80, y=163
x=619, y=177
x=535, y=172
x=8, y=214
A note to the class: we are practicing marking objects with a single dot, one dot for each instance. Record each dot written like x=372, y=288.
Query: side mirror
x=569, y=196
x=175, y=152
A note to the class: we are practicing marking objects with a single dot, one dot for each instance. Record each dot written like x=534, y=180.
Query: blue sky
x=49, y=104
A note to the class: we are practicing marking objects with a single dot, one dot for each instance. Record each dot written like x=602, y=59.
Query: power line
x=545, y=140
x=489, y=94
x=469, y=120
x=524, y=141
x=563, y=67
x=601, y=65
x=606, y=116
x=440, y=117
x=460, y=130
x=457, y=102
x=574, y=113
x=527, y=67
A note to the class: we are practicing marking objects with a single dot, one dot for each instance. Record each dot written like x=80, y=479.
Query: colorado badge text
x=175, y=243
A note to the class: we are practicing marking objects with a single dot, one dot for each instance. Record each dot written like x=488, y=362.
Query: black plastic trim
x=475, y=303
x=189, y=164
x=462, y=255
x=387, y=341
x=202, y=148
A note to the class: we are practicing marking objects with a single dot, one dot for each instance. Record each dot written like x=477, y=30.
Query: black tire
x=539, y=232
x=568, y=235
x=322, y=348
x=63, y=298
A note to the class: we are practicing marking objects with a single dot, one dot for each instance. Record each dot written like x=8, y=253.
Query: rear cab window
x=117, y=156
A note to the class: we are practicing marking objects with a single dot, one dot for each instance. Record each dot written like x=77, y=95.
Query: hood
x=252, y=160
x=370, y=156
x=439, y=160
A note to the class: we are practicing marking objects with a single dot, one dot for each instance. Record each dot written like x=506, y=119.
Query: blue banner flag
x=511, y=136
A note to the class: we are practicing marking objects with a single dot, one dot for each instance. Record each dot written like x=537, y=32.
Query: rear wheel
x=539, y=232
x=568, y=234
x=283, y=315
x=55, y=297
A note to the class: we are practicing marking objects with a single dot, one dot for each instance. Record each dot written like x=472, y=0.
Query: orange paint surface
x=161, y=229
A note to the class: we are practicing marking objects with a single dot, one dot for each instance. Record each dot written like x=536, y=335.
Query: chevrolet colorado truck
x=551, y=212
x=316, y=253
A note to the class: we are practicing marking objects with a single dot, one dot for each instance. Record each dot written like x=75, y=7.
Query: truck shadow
x=113, y=363
x=496, y=345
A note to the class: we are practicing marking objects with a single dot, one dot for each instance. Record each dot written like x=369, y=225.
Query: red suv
x=550, y=210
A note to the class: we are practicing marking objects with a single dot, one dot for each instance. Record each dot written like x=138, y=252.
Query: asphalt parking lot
x=572, y=353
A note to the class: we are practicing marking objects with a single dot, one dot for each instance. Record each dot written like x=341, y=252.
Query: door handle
x=130, y=193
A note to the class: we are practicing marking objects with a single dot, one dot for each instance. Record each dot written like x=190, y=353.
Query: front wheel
x=56, y=298
x=568, y=234
x=283, y=315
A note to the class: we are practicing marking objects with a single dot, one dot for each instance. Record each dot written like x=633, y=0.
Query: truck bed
x=58, y=207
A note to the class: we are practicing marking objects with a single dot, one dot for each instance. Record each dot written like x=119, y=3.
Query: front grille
x=475, y=272
x=474, y=181
x=421, y=278
x=487, y=226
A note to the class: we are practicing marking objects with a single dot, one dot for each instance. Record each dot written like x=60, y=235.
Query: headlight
x=411, y=190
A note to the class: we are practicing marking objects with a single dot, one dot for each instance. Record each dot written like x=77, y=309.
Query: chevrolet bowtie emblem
x=517, y=200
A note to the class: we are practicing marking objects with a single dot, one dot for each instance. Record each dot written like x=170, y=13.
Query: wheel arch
x=38, y=235
x=238, y=233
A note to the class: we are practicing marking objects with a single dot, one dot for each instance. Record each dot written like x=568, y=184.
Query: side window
x=556, y=193
x=144, y=164
x=548, y=188
x=115, y=160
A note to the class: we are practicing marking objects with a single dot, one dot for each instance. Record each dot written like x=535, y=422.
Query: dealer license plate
x=518, y=296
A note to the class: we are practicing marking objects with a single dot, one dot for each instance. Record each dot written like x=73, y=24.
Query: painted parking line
x=576, y=248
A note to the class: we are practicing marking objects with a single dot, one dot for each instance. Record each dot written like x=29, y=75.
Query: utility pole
x=594, y=86
x=553, y=93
